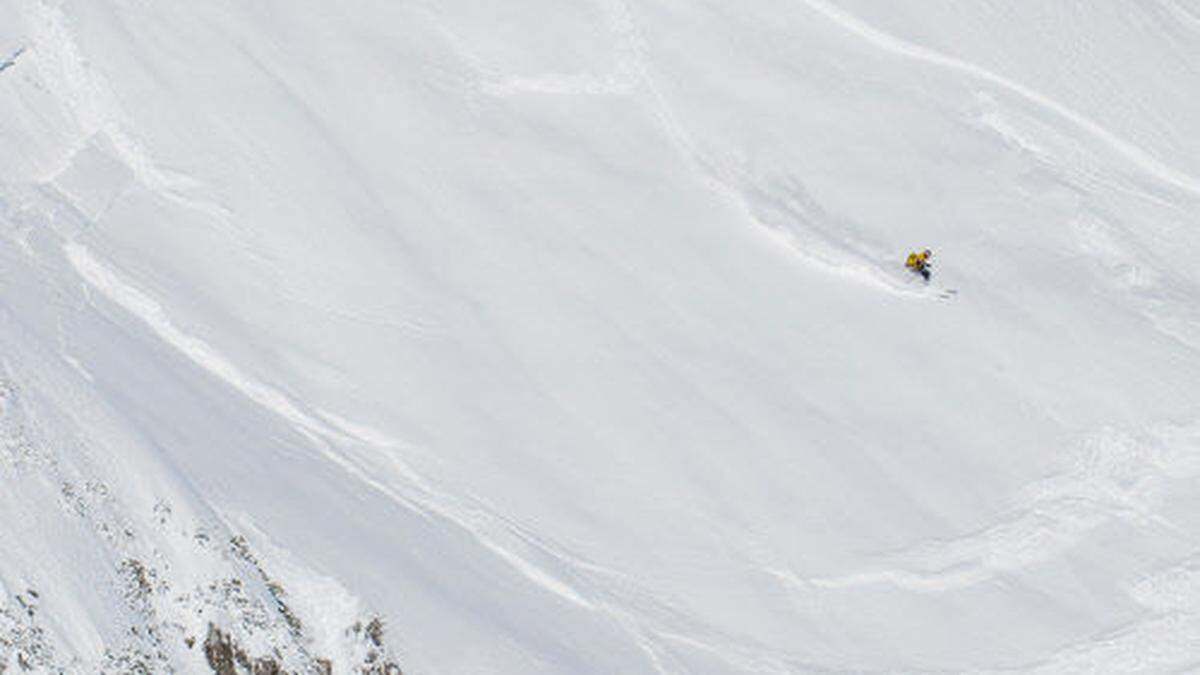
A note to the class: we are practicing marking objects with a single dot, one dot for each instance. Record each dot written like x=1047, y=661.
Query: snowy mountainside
x=548, y=337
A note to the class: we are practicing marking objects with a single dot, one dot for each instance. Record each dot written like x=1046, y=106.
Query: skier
x=919, y=263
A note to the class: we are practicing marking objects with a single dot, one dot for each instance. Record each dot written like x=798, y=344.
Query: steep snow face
x=575, y=337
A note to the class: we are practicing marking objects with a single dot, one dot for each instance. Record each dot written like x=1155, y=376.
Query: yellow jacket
x=918, y=261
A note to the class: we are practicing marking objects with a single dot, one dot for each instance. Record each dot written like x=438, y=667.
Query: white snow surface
x=574, y=337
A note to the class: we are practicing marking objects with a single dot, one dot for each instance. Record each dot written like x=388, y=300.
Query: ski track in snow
x=1139, y=157
x=779, y=205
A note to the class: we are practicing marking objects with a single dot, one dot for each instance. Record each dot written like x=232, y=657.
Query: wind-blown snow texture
x=573, y=337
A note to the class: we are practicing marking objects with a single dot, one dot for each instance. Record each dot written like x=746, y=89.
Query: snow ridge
x=890, y=43
x=149, y=311
x=1111, y=477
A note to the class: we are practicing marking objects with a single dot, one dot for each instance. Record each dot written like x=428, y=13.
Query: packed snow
x=575, y=337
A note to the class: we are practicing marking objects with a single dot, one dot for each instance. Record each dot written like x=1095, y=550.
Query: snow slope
x=546, y=337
